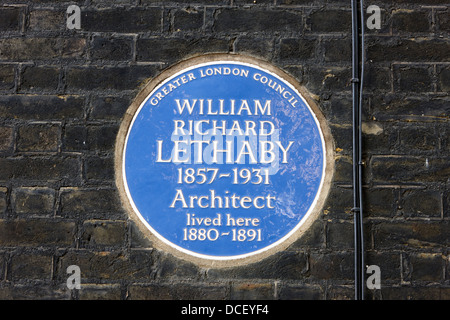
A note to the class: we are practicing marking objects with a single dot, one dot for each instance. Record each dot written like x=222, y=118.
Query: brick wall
x=63, y=94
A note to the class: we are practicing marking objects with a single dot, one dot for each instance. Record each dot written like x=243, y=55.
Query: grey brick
x=40, y=78
x=36, y=232
x=118, y=20
x=89, y=201
x=39, y=201
x=38, y=138
x=253, y=20
x=52, y=170
x=41, y=107
x=173, y=49
x=10, y=18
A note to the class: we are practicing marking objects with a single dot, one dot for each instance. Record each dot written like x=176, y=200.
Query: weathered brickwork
x=63, y=94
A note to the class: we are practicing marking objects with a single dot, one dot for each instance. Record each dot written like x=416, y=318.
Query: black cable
x=355, y=101
x=357, y=88
x=360, y=147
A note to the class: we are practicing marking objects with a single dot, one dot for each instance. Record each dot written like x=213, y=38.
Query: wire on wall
x=358, y=57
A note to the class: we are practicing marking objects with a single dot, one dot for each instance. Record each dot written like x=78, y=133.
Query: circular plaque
x=223, y=159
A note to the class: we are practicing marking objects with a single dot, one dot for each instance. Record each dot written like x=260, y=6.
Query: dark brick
x=415, y=293
x=30, y=291
x=6, y=138
x=40, y=78
x=102, y=138
x=411, y=234
x=7, y=77
x=340, y=235
x=103, y=233
x=418, y=138
x=120, y=19
x=2, y=271
x=109, y=3
x=396, y=49
x=38, y=138
x=380, y=202
x=342, y=135
x=81, y=201
x=259, y=47
x=188, y=19
x=337, y=50
x=73, y=48
x=3, y=206
x=333, y=265
x=330, y=21
x=177, y=291
x=295, y=2
x=252, y=2
x=411, y=21
x=31, y=169
x=20, y=49
x=282, y=265
x=36, y=232
x=97, y=168
x=173, y=49
x=298, y=49
x=337, y=292
x=10, y=19
x=413, y=78
x=339, y=203
x=392, y=107
x=109, y=108
x=78, y=2
x=343, y=170
x=444, y=79
x=252, y=291
x=98, y=267
x=74, y=138
x=47, y=20
x=443, y=21
x=190, y=2
x=408, y=169
x=137, y=238
x=40, y=201
x=423, y=267
x=108, y=78
x=100, y=292
x=111, y=49
x=36, y=266
x=296, y=71
x=41, y=107
x=320, y=79
x=444, y=132
x=379, y=138
x=421, y=203
x=427, y=2
x=377, y=78
x=255, y=20
x=300, y=292
x=313, y=237
x=169, y=267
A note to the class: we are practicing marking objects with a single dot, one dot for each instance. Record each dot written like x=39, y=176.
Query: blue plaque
x=223, y=159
